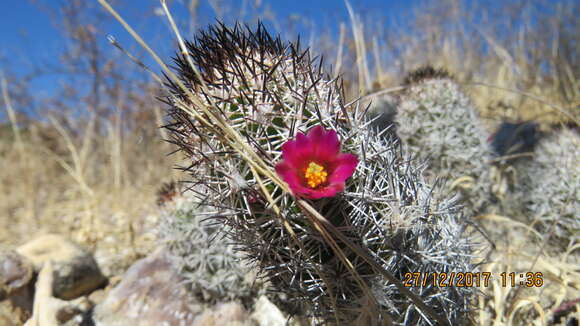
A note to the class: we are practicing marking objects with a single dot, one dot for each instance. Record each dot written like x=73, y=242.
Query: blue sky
x=31, y=37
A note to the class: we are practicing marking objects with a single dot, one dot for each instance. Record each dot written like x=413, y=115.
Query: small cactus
x=436, y=120
x=213, y=271
x=551, y=184
x=269, y=92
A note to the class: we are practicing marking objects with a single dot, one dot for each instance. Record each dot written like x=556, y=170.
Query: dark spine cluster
x=425, y=73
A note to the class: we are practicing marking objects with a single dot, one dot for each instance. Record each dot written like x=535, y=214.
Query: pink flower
x=313, y=166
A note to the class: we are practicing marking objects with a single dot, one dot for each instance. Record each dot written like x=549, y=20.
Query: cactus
x=436, y=120
x=551, y=187
x=269, y=92
x=212, y=271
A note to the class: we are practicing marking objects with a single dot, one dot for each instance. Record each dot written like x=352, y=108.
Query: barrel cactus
x=335, y=215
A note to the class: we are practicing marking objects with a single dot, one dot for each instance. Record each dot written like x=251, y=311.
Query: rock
x=76, y=271
x=229, y=313
x=150, y=293
x=51, y=311
x=267, y=314
x=16, y=275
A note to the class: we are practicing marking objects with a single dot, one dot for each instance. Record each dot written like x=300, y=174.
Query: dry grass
x=521, y=250
x=95, y=179
x=516, y=60
x=98, y=187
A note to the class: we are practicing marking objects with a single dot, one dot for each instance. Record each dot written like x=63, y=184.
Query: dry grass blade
x=338, y=62
x=361, y=53
x=10, y=111
x=131, y=57
x=78, y=157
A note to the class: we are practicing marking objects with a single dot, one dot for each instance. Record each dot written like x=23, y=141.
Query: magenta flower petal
x=345, y=165
x=297, y=151
x=313, y=166
x=329, y=191
x=292, y=152
x=303, y=141
x=325, y=144
x=288, y=174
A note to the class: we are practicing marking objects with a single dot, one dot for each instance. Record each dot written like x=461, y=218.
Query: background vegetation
x=87, y=160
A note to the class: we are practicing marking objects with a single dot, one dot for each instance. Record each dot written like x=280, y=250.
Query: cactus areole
x=313, y=165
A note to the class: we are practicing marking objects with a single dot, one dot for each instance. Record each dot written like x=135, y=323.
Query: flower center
x=315, y=175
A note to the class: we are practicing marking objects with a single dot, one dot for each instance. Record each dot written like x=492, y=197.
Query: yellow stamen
x=315, y=175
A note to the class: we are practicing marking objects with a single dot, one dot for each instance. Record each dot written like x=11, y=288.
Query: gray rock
x=76, y=271
x=16, y=286
x=15, y=273
x=150, y=293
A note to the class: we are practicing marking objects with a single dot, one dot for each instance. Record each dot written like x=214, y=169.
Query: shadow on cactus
x=383, y=221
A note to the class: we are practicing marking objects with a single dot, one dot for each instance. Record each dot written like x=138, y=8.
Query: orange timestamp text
x=472, y=279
